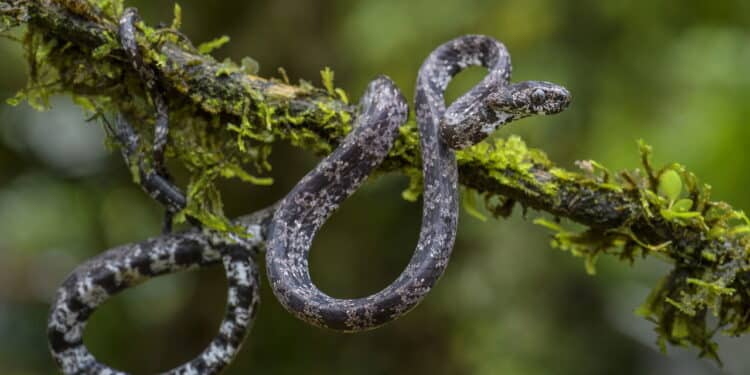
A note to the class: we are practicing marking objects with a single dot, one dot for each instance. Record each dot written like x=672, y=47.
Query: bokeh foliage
x=635, y=73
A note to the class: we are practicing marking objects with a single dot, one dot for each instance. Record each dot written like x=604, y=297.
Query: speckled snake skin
x=93, y=282
x=287, y=229
x=470, y=119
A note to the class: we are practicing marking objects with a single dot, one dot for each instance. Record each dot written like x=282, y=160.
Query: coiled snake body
x=288, y=229
x=470, y=119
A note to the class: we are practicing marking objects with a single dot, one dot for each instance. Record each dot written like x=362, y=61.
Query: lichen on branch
x=225, y=117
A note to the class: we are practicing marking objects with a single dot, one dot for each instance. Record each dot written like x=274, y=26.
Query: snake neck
x=446, y=62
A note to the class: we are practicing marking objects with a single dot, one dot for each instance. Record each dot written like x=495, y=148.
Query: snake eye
x=537, y=97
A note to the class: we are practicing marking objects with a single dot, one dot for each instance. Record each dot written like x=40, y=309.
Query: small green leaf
x=412, y=193
x=686, y=309
x=671, y=214
x=226, y=68
x=740, y=229
x=84, y=103
x=16, y=99
x=102, y=51
x=207, y=47
x=235, y=171
x=709, y=256
x=327, y=77
x=683, y=205
x=716, y=288
x=644, y=311
x=590, y=264
x=284, y=75
x=548, y=224
x=250, y=66
x=177, y=20
x=670, y=185
x=342, y=95
x=680, y=328
x=717, y=231
x=651, y=307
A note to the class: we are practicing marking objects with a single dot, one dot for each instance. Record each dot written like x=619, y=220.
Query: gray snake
x=288, y=228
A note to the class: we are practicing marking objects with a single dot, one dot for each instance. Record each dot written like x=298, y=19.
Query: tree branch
x=228, y=113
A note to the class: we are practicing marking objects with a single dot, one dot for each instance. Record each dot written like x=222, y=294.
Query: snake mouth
x=551, y=100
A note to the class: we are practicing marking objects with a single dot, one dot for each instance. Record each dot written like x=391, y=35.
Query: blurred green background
x=676, y=73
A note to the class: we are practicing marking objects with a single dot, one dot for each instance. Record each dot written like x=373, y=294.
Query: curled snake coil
x=287, y=229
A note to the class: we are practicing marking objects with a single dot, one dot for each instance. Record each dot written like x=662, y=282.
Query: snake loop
x=94, y=282
x=469, y=120
x=304, y=210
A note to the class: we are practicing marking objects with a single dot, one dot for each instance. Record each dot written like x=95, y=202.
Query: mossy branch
x=225, y=116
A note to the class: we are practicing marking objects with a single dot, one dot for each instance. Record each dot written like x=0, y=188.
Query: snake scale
x=286, y=230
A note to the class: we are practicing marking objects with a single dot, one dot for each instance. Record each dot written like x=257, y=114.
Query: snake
x=98, y=279
x=285, y=231
x=158, y=184
x=383, y=109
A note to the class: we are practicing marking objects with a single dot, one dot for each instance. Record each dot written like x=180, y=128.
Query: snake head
x=530, y=98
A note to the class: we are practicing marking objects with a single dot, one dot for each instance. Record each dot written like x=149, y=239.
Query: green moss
x=511, y=163
x=177, y=19
x=703, y=280
x=327, y=78
x=211, y=45
x=203, y=144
